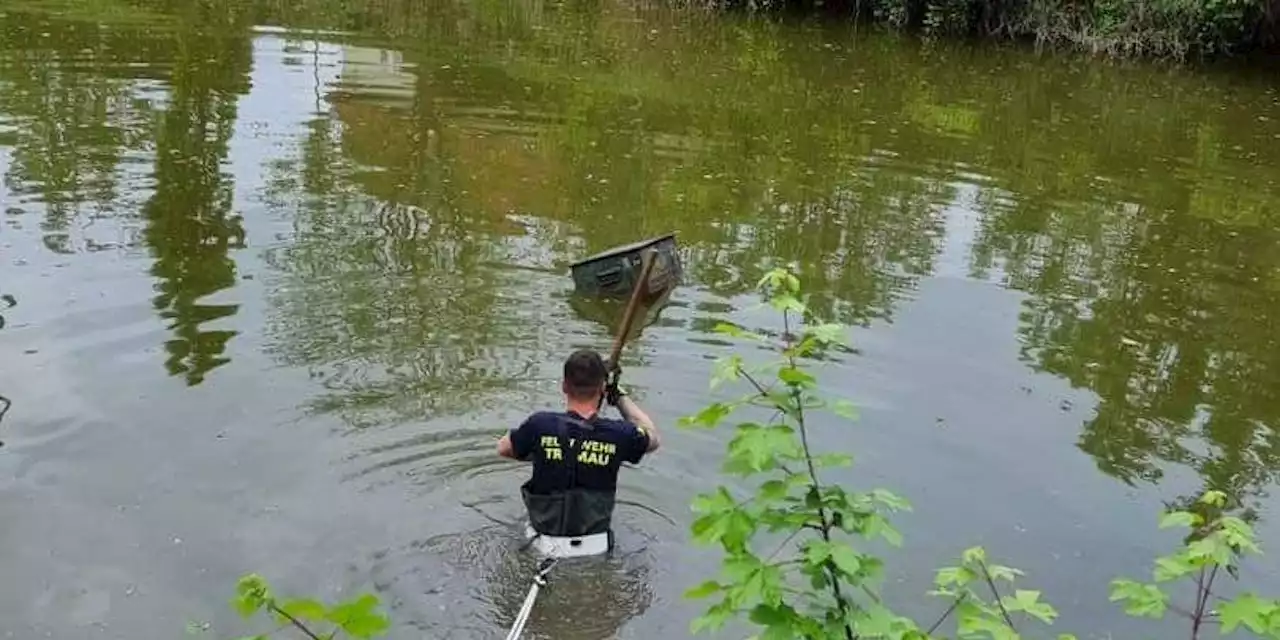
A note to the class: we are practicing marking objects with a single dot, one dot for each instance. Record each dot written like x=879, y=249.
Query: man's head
x=585, y=374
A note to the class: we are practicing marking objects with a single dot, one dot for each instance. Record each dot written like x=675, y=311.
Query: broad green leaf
x=710, y=416
x=836, y=460
x=787, y=519
x=781, y=632
x=875, y=621
x=778, y=278
x=703, y=590
x=872, y=570
x=890, y=500
x=1247, y=609
x=1179, y=519
x=1213, y=548
x=874, y=525
x=305, y=609
x=252, y=594
x=1028, y=601
x=796, y=377
x=954, y=576
x=731, y=528
x=1173, y=567
x=1001, y=572
x=974, y=555
x=773, y=490
x=713, y=619
x=757, y=448
x=787, y=304
x=888, y=532
x=846, y=559
x=773, y=616
x=1141, y=600
x=829, y=333
x=1238, y=534
x=358, y=617
x=816, y=552
x=717, y=500
x=972, y=619
x=733, y=330
x=767, y=583
x=1214, y=498
x=726, y=370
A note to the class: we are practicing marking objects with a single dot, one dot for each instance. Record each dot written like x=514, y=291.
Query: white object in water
x=567, y=547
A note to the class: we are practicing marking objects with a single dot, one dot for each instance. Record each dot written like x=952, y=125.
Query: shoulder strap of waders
x=569, y=446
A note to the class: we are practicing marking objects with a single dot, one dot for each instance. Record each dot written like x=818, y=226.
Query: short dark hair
x=584, y=374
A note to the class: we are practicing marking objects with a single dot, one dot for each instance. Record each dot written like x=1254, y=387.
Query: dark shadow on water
x=608, y=312
x=5, y=405
x=7, y=301
x=472, y=585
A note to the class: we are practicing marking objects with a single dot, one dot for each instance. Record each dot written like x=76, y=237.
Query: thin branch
x=296, y=622
x=1208, y=585
x=783, y=544
x=946, y=614
x=1203, y=587
x=841, y=603
x=996, y=592
x=755, y=383
x=1199, y=610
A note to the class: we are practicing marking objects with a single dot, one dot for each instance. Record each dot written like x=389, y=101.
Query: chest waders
x=571, y=513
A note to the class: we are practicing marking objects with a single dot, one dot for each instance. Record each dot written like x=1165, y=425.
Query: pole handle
x=647, y=259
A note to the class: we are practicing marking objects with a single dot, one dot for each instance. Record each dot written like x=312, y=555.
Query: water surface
x=279, y=278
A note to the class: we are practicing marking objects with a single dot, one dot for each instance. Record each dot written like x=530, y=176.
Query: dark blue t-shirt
x=600, y=446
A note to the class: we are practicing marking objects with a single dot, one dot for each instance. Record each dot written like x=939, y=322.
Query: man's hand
x=613, y=393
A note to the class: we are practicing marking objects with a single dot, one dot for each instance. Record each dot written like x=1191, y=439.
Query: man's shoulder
x=615, y=425
x=539, y=419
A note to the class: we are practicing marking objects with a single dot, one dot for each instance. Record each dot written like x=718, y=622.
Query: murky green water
x=278, y=291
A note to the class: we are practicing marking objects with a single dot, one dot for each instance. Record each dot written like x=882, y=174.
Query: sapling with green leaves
x=1214, y=545
x=818, y=583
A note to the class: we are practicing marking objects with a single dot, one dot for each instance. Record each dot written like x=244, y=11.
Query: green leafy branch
x=1215, y=543
x=357, y=618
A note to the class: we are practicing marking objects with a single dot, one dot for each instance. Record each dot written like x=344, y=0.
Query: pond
x=277, y=275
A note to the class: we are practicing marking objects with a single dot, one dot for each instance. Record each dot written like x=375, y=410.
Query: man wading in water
x=576, y=454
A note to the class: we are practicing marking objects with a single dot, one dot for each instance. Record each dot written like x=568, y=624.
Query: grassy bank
x=1176, y=29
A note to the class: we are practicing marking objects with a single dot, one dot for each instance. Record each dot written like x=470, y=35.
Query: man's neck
x=584, y=409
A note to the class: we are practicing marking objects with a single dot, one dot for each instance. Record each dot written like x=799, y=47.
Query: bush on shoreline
x=1173, y=29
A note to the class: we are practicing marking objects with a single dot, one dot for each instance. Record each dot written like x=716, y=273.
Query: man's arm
x=505, y=448
x=635, y=415
x=517, y=443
